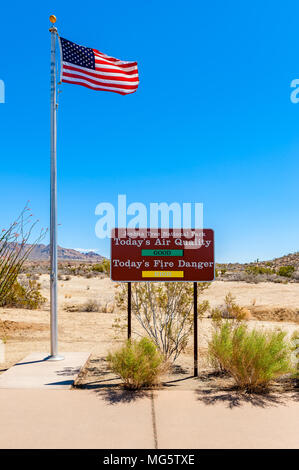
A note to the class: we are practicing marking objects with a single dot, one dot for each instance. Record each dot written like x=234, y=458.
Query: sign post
x=195, y=330
x=129, y=310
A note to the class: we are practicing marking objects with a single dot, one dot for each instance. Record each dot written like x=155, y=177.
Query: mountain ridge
x=41, y=252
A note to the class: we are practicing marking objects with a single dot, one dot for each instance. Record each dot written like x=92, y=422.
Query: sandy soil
x=93, y=331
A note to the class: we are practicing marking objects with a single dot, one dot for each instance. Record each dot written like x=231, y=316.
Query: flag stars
x=77, y=55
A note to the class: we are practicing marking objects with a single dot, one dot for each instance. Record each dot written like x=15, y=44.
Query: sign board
x=162, y=255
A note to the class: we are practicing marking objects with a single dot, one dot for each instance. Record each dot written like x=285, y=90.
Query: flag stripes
x=93, y=69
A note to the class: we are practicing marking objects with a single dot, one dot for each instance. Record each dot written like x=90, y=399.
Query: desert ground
x=273, y=305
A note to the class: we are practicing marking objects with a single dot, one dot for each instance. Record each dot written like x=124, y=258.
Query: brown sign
x=162, y=255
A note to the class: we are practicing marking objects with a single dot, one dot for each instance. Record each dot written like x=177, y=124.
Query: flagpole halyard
x=54, y=356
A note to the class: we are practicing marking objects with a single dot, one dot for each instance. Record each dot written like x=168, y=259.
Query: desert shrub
x=230, y=309
x=90, y=306
x=220, y=346
x=165, y=311
x=253, y=358
x=295, y=352
x=14, y=250
x=258, y=270
x=98, y=268
x=25, y=294
x=286, y=271
x=233, y=310
x=103, y=267
x=254, y=278
x=138, y=363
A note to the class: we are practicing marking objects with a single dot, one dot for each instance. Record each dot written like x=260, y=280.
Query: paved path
x=37, y=371
x=114, y=419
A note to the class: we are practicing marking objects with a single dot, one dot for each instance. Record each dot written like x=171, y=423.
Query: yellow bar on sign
x=162, y=273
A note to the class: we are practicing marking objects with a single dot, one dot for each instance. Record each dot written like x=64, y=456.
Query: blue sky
x=211, y=122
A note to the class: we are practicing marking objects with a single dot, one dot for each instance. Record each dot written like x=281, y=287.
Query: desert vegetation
x=138, y=362
x=14, y=250
x=279, y=270
x=253, y=358
x=165, y=313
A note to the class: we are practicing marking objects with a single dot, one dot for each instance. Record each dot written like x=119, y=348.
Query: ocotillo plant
x=15, y=249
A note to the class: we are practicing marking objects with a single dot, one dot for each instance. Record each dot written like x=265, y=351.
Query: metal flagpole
x=53, y=203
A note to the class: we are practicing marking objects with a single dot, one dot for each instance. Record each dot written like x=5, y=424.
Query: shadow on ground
x=218, y=389
x=210, y=387
x=114, y=396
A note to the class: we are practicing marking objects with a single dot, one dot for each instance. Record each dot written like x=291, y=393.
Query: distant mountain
x=41, y=252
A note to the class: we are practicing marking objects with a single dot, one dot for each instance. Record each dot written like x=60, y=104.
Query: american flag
x=90, y=68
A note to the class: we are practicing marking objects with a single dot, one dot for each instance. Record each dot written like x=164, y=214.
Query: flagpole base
x=57, y=357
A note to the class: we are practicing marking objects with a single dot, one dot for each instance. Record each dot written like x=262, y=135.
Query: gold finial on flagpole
x=52, y=19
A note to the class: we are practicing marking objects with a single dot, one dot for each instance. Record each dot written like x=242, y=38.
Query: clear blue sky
x=211, y=122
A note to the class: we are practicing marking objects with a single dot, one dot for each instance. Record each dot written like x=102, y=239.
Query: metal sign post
x=195, y=330
x=129, y=310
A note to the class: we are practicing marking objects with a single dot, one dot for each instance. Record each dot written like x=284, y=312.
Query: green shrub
x=26, y=295
x=103, y=267
x=253, y=358
x=286, y=271
x=255, y=270
x=295, y=351
x=220, y=347
x=98, y=268
x=138, y=363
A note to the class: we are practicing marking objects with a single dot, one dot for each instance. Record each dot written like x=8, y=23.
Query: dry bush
x=165, y=311
x=90, y=305
x=231, y=309
x=234, y=310
x=14, y=250
x=72, y=308
x=269, y=313
x=24, y=294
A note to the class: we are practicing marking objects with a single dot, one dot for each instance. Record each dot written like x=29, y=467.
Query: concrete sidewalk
x=43, y=419
x=225, y=421
x=36, y=371
x=111, y=418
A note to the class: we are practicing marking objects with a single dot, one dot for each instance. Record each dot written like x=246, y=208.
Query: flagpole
x=54, y=356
